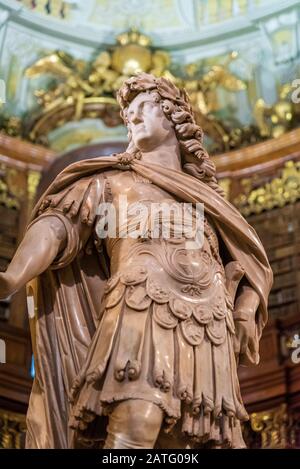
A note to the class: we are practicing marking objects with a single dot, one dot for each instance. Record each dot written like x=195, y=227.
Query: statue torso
x=183, y=282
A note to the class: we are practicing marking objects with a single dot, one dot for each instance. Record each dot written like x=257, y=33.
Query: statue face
x=147, y=122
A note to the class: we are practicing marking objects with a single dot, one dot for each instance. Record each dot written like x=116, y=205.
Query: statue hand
x=245, y=339
x=245, y=335
x=7, y=285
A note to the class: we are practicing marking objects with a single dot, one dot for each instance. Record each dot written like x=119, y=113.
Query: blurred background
x=61, y=63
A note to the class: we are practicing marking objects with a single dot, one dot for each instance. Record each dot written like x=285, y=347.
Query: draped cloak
x=64, y=302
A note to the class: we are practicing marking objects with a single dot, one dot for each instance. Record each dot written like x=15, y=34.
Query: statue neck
x=167, y=155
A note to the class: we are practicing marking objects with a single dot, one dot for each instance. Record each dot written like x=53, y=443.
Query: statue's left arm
x=248, y=280
x=245, y=315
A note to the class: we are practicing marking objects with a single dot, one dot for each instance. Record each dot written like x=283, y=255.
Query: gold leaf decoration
x=276, y=193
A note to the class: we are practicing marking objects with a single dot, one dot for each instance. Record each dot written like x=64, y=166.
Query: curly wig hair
x=177, y=108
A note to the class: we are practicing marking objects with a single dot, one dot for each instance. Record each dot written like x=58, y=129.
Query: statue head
x=154, y=109
x=148, y=127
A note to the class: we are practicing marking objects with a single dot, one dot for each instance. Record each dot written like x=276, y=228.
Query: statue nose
x=136, y=118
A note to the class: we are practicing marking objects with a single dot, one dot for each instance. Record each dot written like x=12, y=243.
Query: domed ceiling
x=61, y=62
x=169, y=22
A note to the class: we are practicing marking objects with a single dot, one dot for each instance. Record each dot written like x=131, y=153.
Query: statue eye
x=147, y=105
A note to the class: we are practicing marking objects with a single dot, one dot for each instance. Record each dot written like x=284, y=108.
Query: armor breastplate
x=186, y=286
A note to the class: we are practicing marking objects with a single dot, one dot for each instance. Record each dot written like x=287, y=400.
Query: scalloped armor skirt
x=165, y=335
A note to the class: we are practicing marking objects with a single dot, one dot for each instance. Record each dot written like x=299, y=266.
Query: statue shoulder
x=77, y=200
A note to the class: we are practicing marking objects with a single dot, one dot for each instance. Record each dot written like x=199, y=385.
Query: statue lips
x=138, y=128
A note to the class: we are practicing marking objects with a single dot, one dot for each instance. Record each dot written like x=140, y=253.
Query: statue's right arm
x=66, y=221
x=41, y=244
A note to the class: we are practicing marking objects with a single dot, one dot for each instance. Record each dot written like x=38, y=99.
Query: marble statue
x=137, y=337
